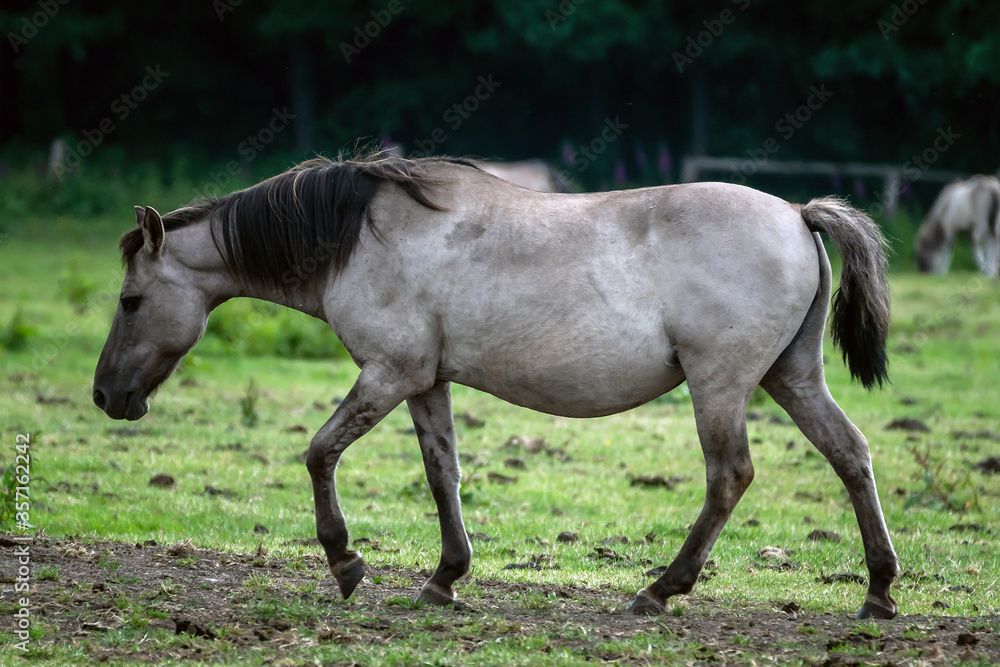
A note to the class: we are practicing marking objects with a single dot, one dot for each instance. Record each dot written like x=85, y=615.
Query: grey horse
x=973, y=206
x=432, y=271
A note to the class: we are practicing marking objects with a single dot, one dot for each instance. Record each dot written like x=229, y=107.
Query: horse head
x=933, y=247
x=162, y=313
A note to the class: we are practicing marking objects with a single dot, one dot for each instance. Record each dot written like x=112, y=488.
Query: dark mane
x=299, y=223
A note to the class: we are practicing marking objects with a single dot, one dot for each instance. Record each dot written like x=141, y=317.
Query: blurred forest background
x=180, y=100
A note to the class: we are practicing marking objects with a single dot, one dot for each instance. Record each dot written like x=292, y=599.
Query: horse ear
x=152, y=229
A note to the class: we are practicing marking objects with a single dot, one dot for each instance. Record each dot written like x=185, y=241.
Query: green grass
x=90, y=476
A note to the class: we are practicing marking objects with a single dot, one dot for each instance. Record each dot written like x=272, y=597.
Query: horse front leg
x=376, y=392
x=433, y=422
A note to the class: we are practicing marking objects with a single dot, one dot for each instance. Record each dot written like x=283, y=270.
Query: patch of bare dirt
x=207, y=596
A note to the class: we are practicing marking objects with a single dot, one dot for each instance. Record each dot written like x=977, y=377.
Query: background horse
x=972, y=206
x=432, y=271
x=533, y=174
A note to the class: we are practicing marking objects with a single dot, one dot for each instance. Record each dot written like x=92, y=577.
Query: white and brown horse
x=432, y=271
x=972, y=206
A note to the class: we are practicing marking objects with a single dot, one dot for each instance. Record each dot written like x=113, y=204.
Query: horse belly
x=575, y=375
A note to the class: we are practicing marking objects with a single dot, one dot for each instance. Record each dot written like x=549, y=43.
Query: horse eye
x=130, y=303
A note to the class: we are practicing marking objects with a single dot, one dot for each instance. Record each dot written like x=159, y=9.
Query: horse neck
x=196, y=250
x=306, y=299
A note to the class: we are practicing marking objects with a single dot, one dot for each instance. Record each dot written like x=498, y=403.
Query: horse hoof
x=877, y=609
x=645, y=605
x=433, y=594
x=349, y=575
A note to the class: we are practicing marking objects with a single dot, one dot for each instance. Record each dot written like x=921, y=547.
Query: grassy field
x=230, y=428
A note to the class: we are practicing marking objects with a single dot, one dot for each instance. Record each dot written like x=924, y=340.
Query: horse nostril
x=100, y=400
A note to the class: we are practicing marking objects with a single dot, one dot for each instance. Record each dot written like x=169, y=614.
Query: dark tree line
x=675, y=77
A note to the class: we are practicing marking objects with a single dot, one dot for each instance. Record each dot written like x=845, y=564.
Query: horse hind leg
x=720, y=414
x=986, y=249
x=797, y=384
x=986, y=236
x=992, y=257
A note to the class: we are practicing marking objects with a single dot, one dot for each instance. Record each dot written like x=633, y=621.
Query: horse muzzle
x=129, y=405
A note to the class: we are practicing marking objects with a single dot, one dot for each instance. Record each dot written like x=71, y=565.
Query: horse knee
x=731, y=480
x=851, y=459
x=315, y=460
x=739, y=470
x=742, y=474
x=318, y=458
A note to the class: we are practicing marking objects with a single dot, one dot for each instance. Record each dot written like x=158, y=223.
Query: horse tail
x=860, y=320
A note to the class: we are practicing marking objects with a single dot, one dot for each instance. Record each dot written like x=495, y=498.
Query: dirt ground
x=209, y=595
